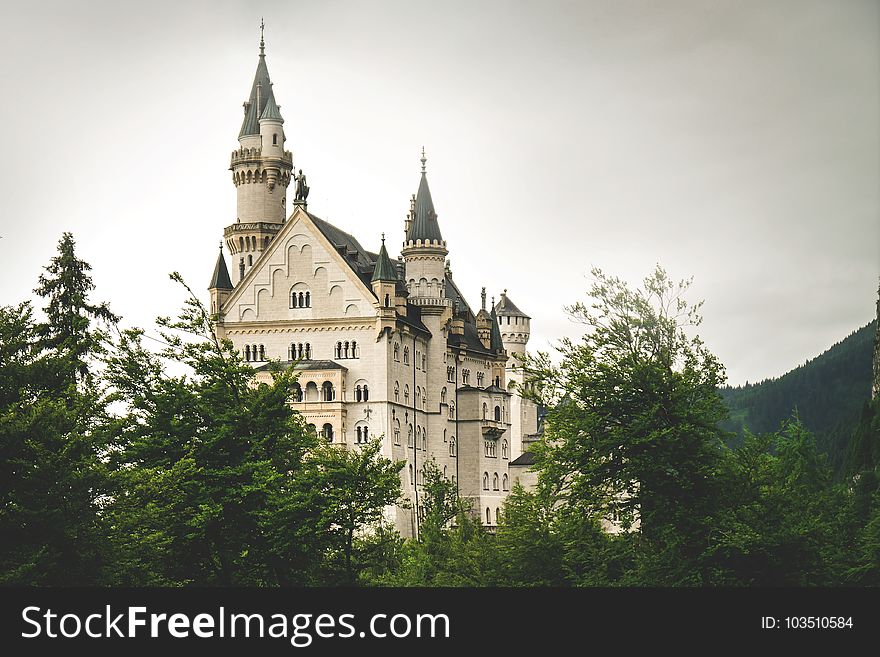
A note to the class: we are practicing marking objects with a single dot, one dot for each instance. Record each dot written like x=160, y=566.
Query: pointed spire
x=424, y=224
x=384, y=270
x=220, y=280
x=272, y=110
x=495, y=342
x=483, y=298
x=261, y=90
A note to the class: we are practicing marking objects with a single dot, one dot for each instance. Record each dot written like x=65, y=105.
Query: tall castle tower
x=261, y=172
x=515, y=329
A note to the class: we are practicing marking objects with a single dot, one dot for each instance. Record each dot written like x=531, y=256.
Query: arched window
x=505, y=483
x=480, y=379
x=418, y=395
x=425, y=440
x=406, y=394
x=406, y=355
x=308, y=299
x=497, y=515
x=250, y=260
x=297, y=392
x=495, y=481
x=275, y=139
x=485, y=411
x=443, y=396
x=241, y=245
x=247, y=352
x=357, y=395
x=452, y=410
x=452, y=446
x=396, y=391
x=396, y=351
x=345, y=349
x=409, y=436
x=308, y=352
x=366, y=393
x=424, y=362
x=497, y=381
x=396, y=432
x=327, y=392
x=337, y=352
x=488, y=516
x=411, y=479
x=354, y=346
x=328, y=432
x=387, y=300
x=504, y=449
x=262, y=352
x=485, y=481
x=498, y=414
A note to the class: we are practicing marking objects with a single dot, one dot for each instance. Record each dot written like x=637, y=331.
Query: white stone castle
x=385, y=349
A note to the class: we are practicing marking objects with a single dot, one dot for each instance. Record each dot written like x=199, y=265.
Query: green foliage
x=52, y=477
x=634, y=429
x=827, y=392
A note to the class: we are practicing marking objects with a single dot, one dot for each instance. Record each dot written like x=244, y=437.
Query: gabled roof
x=526, y=458
x=384, y=270
x=251, y=123
x=220, y=280
x=361, y=261
x=506, y=307
x=424, y=225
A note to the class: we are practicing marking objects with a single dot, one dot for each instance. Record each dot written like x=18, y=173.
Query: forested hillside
x=828, y=393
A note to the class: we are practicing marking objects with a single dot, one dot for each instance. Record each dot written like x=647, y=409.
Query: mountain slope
x=828, y=393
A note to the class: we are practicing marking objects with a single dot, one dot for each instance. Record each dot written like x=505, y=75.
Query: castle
x=384, y=349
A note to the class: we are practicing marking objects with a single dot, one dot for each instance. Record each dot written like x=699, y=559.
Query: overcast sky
x=737, y=142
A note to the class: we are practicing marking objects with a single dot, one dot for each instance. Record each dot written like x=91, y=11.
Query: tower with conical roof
x=514, y=327
x=261, y=172
x=220, y=285
x=424, y=249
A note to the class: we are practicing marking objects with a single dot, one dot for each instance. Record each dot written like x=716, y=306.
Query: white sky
x=738, y=142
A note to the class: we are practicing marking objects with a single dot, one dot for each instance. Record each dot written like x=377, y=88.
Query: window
x=297, y=392
x=485, y=481
x=406, y=355
x=250, y=260
x=363, y=434
x=465, y=376
x=485, y=411
x=396, y=392
x=490, y=448
x=488, y=516
x=262, y=352
x=450, y=374
x=337, y=350
x=452, y=446
x=396, y=351
x=452, y=411
x=354, y=349
x=327, y=432
x=366, y=393
x=418, y=396
x=443, y=396
x=504, y=449
x=498, y=414
x=418, y=353
x=357, y=393
x=247, y=352
x=495, y=481
x=425, y=440
x=327, y=392
x=300, y=298
x=396, y=432
x=497, y=515
x=406, y=394
x=424, y=362
x=480, y=379
x=411, y=479
x=497, y=381
x=275, y=140
x=409, y=436
x=505, y=482
x=299, y=351
x=387, y=300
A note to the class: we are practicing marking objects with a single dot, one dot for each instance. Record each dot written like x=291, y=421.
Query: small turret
x=513, y=324
x=484, y=322
x=220, y=286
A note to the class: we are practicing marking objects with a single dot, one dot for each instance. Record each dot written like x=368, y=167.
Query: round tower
x=424, y=250
x=261, y=172
x=514, y=325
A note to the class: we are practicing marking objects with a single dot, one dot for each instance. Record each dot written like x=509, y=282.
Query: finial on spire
x=383, y=239
x=424, y=159
x=483, y=297
x=221, y=245
x=262, y=43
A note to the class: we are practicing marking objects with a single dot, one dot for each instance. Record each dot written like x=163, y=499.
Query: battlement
x=254, y=156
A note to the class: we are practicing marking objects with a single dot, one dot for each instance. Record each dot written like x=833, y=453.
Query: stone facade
x=385, y=350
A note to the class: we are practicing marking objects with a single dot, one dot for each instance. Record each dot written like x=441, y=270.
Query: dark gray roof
x=272, y=111
x=251, y=123
x=526, y=458
x=470, y=339
x=495, y=341
x=220, y=280
x=413, y=319
x=452, y=292
x=507, y=307
x=424, y=225
x=496, y=389
x=358, y=258
x=305, y=365
x=385, y=270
